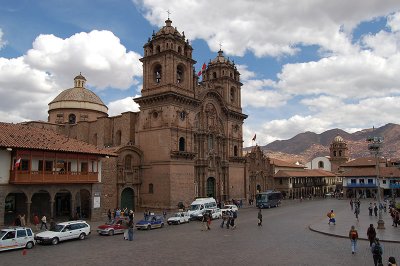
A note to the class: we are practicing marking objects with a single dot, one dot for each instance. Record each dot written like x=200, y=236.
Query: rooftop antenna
x=220, y=46
x=168, y=12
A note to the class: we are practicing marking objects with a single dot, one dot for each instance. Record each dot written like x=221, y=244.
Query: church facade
x=185, y=142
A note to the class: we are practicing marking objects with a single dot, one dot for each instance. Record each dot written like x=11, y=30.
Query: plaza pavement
x=345, y=218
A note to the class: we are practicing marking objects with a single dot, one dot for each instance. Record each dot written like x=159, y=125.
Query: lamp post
x=374, y=147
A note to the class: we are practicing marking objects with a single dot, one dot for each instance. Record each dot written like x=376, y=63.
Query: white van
x=199, y=205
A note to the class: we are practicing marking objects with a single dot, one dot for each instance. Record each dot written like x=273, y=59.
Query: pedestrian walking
x=44, y=222
x=357, y=211
x=224, y=217
x=392, y=261
x=353, y=235
x=36, y=221
x=377, y=252
x=370, y=209
x=205, y=222
x=259, y=216
x=164, y=213
x=23, y=221
x=17, y=221
x=109, y=214
x=351, y=204
x=331, y=215
x=375, y=210
x=371, y=233
x=130, y=230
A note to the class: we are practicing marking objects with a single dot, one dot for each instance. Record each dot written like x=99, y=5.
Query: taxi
x=152, y=221
x=16, y=237
x=114, y=226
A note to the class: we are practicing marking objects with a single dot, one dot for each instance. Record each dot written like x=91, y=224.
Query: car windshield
x=178, y=215
x=2, y=233
x=149, y=218
x=110, y=222
x=194, y=207
x=57, y=228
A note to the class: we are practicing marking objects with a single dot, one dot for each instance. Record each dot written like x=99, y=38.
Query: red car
x=115, y=226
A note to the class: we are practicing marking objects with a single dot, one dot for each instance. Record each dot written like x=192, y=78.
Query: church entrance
x=127, y=199
x=211, y=187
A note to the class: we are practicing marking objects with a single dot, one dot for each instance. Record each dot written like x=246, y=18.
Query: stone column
x=28, y=212
x=52, y=203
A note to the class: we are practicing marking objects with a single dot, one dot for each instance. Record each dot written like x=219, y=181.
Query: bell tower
x=168, y=63
x=338, y=153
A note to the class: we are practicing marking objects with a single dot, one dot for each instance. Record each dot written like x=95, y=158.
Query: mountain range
x=308, y=145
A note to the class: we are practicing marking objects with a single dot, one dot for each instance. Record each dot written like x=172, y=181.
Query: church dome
x=78, y=98
x=338, y=139
x=168, y=29
x=221, y=59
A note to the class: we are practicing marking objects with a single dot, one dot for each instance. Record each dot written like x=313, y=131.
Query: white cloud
x=2, y=42
x=258, y=93
x=272, y=28
x=122, y=105
x=394, y=22
x=99, y=55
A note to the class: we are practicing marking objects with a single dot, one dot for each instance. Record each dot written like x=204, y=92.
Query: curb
x=341, y=236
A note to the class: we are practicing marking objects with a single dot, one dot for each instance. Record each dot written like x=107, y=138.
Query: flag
x=202, y=70
x=254, y=138
x=17, y=163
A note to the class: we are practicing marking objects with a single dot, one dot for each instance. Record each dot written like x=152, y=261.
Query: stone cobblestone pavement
x=284, y=239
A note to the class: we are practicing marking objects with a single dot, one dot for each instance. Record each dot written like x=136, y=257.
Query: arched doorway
x=127, y=199
x=258, y=188
x=82, y=202
x=41, y=204
x=211, y=187
x=62, y=205
x=14, y=205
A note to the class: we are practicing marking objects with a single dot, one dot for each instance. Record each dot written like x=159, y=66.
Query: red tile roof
x=281, y=163
x=365, y=161
x=383, y=172
x=304, y=173
x=28, y=137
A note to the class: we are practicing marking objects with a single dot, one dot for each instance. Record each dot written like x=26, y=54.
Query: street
x=284, y=239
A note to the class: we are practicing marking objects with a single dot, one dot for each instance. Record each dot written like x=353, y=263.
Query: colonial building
x=185, y=142
x=48, y=174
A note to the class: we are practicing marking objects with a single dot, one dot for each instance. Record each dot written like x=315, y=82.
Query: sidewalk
x=345, y=218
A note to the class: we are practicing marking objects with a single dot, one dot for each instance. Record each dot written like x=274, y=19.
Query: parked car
x=231, y=207
x=152, y=221
x=215, y=213
x=64, y=231
x=114, y=226
x=179, y=218
x=16, y=237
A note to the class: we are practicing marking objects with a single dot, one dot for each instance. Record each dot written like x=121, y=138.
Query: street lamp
x=374, y=147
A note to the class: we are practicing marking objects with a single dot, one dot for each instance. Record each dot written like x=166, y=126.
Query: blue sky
x=305, y=65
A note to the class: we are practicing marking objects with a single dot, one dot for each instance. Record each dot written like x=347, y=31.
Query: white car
x=64, y=231
x=216, y=213
x=16, y=237
x=231, y=207
x=179, y=218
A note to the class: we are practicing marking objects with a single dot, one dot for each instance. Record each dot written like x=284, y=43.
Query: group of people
x=374, y=243
x=228, y=219
x=117, y=213
x=20, y=220
x=395, y=214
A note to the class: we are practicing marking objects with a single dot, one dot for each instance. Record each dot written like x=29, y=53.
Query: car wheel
x=29, y=245
x=54, y=241
x=111, y=232
x=148, y=227
x=179, y=222
x=82, y=236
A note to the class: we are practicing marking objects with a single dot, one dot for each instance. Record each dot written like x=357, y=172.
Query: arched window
x=181, y=144
x=179, y=74
x=340, y=153
x=179, y=50
x=334, y=153
x=235, y=150
x=72, y=119
x=210, y=142
x=157, y=73
x=128, y=162
x=118, y=138
x=158, y=50
x=320, y=164
x=233, y=94
x=151, y=188
x=214, y=75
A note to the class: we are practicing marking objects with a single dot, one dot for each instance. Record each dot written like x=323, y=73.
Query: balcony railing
x=391, y=185
x=357, y=185
x=52, y=177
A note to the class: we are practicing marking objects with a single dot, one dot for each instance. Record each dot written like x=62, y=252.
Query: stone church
x=185, y=142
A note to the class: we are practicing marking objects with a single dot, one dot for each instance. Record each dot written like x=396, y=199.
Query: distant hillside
x=305, y=146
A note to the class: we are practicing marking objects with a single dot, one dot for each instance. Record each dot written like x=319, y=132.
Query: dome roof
x=338, y=139
x=78, y=95
x=168, y=29
x=221, y=59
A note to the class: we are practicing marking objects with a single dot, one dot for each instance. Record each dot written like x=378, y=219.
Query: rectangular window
x=84, y=167
x=353, y=181
x=24, y=165
x=280, y=181
x=384, y=181
x=362, y=181
x=40, y=165
x=48, y=166
x=370, y=181
x=21, y=233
